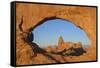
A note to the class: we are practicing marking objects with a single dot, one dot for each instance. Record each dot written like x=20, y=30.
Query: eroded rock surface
x=82, y=17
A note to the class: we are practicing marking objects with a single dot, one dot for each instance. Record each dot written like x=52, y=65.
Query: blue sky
x=49, y=32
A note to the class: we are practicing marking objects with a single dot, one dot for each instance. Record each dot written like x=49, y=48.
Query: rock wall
x=82, y=17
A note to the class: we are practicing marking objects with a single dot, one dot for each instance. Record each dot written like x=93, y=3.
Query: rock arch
x=34, y=14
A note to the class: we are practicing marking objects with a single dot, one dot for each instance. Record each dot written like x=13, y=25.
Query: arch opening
x=50, y=31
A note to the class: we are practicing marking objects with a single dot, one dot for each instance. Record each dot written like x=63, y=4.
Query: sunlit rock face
x=82, y=17
x=60, y=41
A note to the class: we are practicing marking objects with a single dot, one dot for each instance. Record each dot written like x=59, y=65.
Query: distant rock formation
x=61, y=44
x=60, y=41
x=77, y=45
x=48, y=49
x=75, y=50
x=67, y=48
